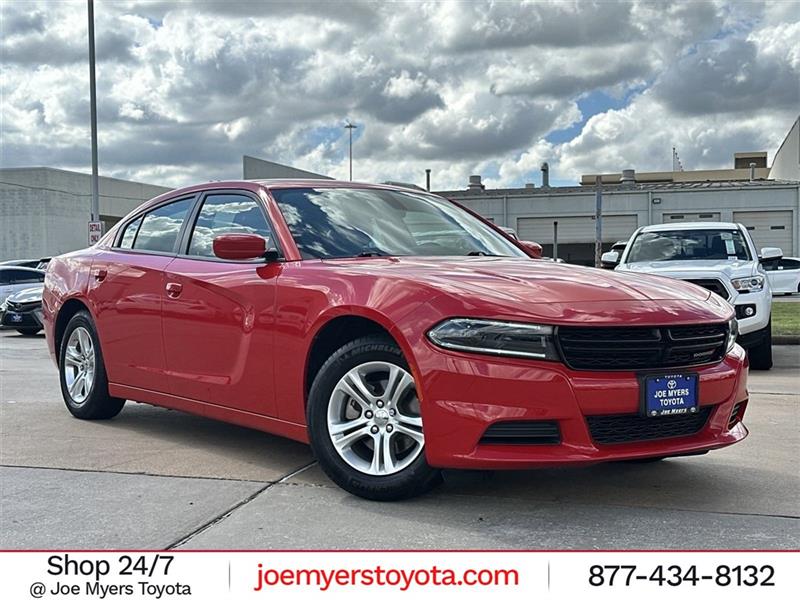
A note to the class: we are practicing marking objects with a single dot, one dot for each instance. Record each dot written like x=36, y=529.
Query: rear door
x=126, y=288
x=783, y=275
x=219, y=315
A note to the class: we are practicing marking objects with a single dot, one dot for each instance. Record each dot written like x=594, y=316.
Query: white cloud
x=457, y=87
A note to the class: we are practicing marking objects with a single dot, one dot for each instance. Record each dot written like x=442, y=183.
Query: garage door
x=768, y=228
x=575, y=230
x=689, y=217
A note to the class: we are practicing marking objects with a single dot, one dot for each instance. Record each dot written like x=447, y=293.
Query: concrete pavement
x=153, y=478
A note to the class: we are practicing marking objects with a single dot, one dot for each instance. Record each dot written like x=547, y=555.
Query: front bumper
x=462, y=395
x=29, y=318
x=761, y=303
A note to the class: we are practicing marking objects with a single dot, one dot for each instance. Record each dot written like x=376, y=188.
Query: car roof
x=690, y=225
x=18, y=268
x=254, y=185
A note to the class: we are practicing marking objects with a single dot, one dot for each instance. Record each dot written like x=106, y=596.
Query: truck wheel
x=761, y=355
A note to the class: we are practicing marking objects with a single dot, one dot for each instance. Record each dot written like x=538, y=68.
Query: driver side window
x=227, y=213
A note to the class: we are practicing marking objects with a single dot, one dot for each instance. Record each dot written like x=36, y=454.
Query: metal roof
x=617, y=187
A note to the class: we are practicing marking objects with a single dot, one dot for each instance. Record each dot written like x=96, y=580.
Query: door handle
x=100, y=274
x=174, y=289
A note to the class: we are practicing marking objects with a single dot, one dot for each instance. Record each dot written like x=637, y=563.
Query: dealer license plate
x=673, y=394
x=15, y=318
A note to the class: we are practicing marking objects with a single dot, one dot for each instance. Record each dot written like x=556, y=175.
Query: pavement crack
x=141, y=473
x=221, y=517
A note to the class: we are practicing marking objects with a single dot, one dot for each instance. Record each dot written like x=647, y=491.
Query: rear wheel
x=84, y=384
x=365, y=425
x=761, y=355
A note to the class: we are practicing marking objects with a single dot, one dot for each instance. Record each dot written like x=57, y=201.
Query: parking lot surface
x=156, y=479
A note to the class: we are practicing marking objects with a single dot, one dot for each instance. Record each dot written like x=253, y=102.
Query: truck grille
x=712, y=285
x=619, y=429
x=639, y=348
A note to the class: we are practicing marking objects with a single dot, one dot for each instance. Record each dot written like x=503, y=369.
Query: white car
x=784, y=276
x=16, y=279
x=720, y=257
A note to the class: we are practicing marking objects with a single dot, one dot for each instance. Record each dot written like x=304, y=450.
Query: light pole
x=93, y=103
x=350, y=128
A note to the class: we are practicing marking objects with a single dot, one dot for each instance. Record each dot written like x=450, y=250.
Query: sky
x=472, y=87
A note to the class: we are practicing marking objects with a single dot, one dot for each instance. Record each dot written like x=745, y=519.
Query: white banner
x=352, y=575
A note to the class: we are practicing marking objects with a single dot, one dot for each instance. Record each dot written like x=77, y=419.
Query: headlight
x=748, y=284
x=733, y=333
x=496, y=337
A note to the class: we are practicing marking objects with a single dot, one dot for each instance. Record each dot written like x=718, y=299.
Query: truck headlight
x=748, y=284
x=733, y=333
x=501, y=338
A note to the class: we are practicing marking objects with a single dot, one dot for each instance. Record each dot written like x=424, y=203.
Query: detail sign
x=95, y=232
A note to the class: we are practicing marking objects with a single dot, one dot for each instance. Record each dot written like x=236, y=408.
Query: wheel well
x=333, y=335
x=67, y=311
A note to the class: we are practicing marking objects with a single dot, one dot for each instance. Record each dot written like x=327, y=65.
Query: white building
x=45, y=212
x=769, y=209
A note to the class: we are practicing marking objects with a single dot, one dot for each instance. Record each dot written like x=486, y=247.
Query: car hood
x=689, y=268
x=526, y=281
x=27, y=295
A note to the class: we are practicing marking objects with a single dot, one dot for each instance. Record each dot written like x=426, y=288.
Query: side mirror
x=770, y=254
x=532, y=249
x=239, y=246
x=609, y=260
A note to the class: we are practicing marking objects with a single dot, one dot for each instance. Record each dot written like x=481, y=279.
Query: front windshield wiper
x=481, y=253
x=370, y=253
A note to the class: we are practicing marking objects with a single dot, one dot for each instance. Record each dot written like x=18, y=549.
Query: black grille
x=618, y=429
x=522, y=432
x=736, y=415
x=712, y=285
x=639, y=348
x=22, y=306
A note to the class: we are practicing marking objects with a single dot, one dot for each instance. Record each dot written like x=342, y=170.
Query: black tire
x=415, y=479
x=98, y=404
x=761, y=355
x=28, y=331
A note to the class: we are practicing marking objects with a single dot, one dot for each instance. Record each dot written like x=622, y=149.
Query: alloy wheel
x=79, y=365
x=374, y=421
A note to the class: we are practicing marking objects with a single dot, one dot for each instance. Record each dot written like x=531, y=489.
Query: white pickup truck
x=720, y=257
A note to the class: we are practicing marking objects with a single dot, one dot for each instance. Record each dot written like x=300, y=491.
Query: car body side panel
x=310, y=294
x=67, y=278
x=218, y=333
x=126, y=305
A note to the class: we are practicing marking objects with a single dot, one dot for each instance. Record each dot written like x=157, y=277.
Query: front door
x=218, y=315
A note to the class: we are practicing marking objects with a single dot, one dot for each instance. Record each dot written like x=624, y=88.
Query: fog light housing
x=745, y=311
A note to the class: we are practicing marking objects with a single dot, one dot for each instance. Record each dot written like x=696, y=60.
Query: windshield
x=688, y=244
x=340, y=223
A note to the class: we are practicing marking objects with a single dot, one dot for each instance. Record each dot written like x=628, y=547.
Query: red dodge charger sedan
x=394, y=330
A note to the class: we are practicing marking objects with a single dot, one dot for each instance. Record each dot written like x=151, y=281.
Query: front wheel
x=29, y=331
x=761, y=355
x=82, y=374
x=365, y=425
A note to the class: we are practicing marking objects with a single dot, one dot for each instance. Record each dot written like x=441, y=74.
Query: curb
x=786, y=340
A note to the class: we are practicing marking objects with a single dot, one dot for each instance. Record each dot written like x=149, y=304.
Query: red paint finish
x=231, y=340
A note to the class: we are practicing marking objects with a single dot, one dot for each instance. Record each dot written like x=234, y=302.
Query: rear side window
x=129, y=235
x=20, y=276
x=160, y=227
x=227, y=213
